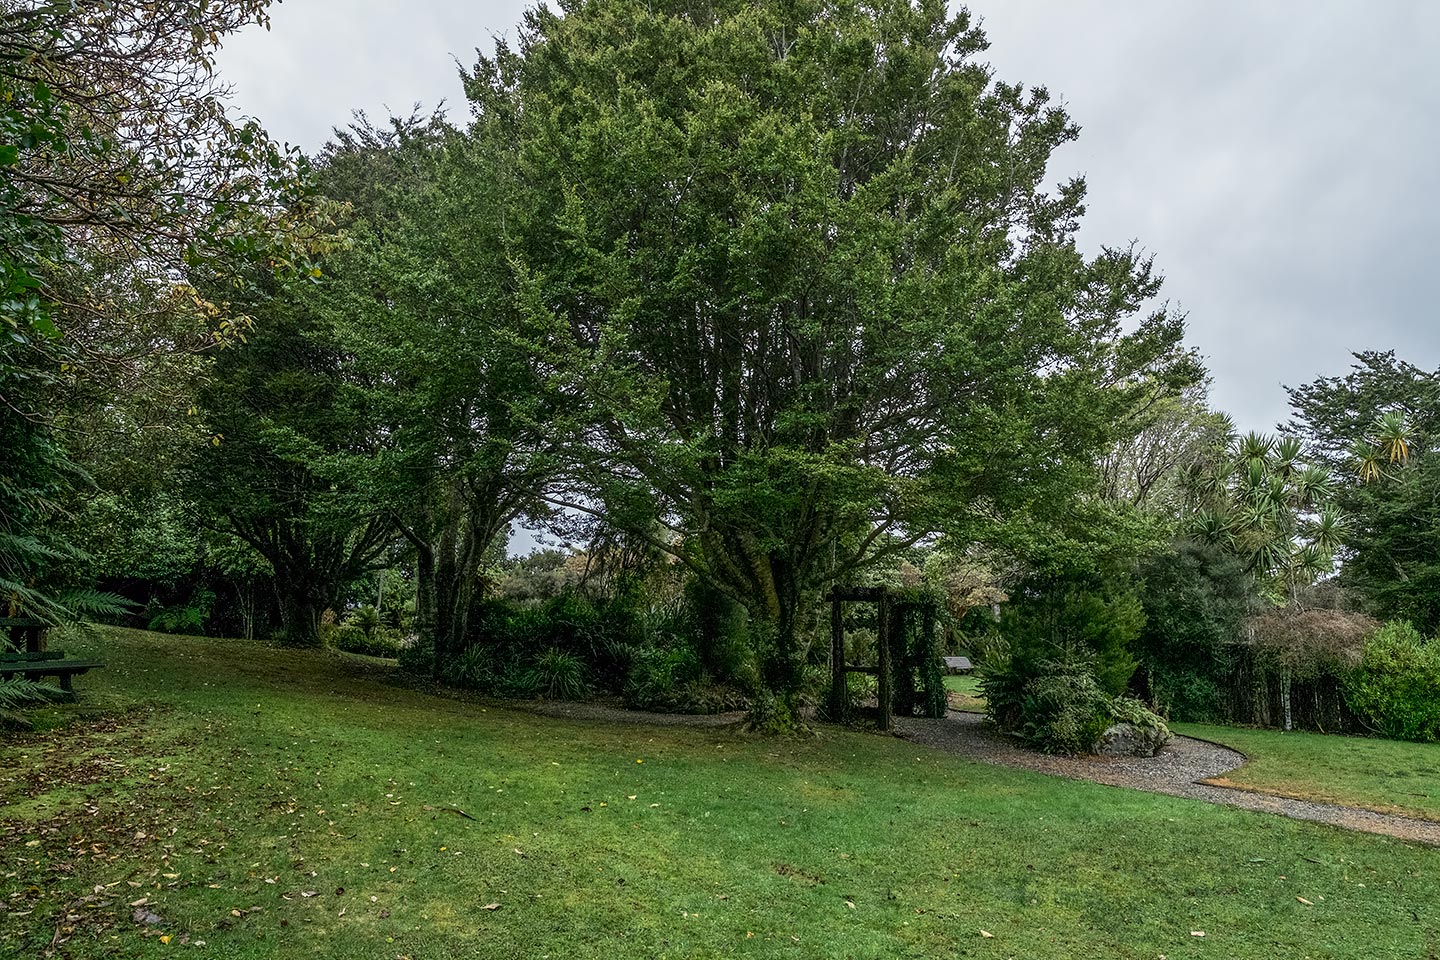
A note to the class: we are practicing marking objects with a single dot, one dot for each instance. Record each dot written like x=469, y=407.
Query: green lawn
x=277, y=804
x=1379, y=774
x=965, y=692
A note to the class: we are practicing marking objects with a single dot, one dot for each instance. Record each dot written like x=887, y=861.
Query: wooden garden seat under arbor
x=906, y=644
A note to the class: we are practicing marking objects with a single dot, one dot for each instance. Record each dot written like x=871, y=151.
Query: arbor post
x=838, y=686
x=936, y=701
x=883, y=670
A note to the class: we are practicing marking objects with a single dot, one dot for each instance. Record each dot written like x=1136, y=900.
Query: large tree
x=831, y=307
x=273, y=476
x=460, y=375
x=124, y=184
x=1378, y=426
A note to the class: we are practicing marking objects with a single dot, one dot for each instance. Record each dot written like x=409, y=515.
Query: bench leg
x=65, y=683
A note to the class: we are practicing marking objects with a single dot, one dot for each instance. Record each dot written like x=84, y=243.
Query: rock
x=1130, y=740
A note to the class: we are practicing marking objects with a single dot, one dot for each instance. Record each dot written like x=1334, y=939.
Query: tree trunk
x=425, y=605
x=302, y=604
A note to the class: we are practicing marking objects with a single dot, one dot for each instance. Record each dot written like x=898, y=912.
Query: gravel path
x=1177, y=772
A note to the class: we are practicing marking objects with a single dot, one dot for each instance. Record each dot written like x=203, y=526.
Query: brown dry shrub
x=1308, y=642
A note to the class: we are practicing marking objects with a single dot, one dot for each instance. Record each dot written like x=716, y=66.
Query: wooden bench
x=31, y=660
x=61, y=669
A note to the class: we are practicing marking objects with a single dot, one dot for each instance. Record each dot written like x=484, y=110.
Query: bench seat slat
x=48, y=667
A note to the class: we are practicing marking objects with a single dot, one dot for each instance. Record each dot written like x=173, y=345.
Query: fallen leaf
x=850, y=904
x=491, y=906
x=1304, y=901
x=1197, y=933
x=987, y=934
x=165, y=938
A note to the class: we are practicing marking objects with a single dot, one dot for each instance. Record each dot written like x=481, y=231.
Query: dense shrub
x=1306, y=643
x=1089, y=625
x=1065, y=709
x=680, y=655
x=1396, y=687
x=1195, y=600
x=558, y=675
x=1057, y=660
x=354, y=639
x=186, y=617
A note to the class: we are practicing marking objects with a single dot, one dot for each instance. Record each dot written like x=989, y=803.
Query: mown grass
x=1385, y=775
x=965, y=693
x=281, y=804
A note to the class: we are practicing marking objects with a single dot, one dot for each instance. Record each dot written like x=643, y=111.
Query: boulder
x=1132, y=740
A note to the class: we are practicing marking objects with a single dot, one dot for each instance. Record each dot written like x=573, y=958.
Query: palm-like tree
x=1285, y=461
x=1387, y=445
x=1260, y=499
x=1253, y=448
x=1368, y=461
x=1392, y=436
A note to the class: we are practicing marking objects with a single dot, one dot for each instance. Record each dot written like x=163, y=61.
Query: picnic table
x=26, y=656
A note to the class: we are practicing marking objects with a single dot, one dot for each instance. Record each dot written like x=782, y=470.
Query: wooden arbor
x=906, y=645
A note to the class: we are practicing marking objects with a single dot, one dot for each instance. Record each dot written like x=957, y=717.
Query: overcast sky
x=1278, y=158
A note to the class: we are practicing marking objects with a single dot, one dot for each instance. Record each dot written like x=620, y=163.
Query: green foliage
x=187, y=617
x=354, y=638
x=1061, y=707
x=1195, y=600
x=17, y=692
x=1060, y=653
x=125, y=186
x=1065, y=709
x=1095, y=624
x=1391, y=410
x=659, y=679
x=1255, y=497
x=457, y=372
x=559, y=676
x=269, y=479
x=366, y=618
x=1396, y=688
x=1137, y=714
